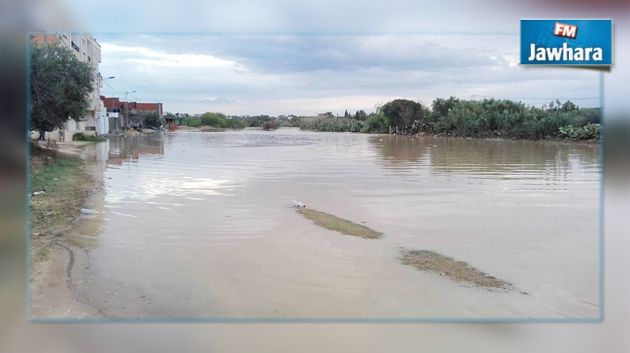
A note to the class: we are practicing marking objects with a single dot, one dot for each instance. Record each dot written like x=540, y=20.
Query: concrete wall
x=102, y=124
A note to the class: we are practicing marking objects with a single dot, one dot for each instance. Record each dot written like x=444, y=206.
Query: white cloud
x=157, y=58
x=312, y=74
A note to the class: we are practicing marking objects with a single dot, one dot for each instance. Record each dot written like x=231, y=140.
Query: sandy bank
x=60, y=185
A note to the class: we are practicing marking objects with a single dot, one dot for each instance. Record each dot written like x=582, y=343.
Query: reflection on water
x=129, y=149
x=201, y=225
x=477, y=155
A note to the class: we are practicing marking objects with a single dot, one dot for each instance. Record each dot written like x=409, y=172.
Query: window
x=74, y=39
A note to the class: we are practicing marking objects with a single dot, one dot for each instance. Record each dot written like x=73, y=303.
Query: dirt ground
x=59, y=186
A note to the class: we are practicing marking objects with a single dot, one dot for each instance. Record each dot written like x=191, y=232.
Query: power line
x=119, y=93
x=112, y=88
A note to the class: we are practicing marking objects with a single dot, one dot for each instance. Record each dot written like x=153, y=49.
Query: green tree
x=234, y=123
x=214, y=119
x=569, y=106
x=59, y=86
x=360, y=115
x=151, y=120
x=404, y=112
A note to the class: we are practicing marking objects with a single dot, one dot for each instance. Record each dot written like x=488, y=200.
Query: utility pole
x=102, y=80
x=126, y=124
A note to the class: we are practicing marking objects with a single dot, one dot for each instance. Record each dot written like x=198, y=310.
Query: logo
x=565, y=30
x=566, y=42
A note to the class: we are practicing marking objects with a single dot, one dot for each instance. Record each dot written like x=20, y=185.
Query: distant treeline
x=215, y=120
x=446, y=116
x=219, y=120
x=469, y=118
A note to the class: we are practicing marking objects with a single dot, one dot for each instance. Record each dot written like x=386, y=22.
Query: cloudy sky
x=308, y=74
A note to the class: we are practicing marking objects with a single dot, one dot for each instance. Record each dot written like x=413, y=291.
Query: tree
x=403, y=112
x=151, y=120
x=569, y=106
x=214, y=119
x=60, y=85
x=360, y=115
x=442, y=106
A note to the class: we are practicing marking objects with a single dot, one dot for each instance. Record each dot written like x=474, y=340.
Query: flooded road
x=201, y=225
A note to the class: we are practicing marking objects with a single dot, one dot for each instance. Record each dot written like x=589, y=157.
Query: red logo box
x=565, y=30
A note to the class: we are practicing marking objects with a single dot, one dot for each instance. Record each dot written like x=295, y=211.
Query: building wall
x=102, y=123
x=113, y=121
x=150, y=107
x=112, y=104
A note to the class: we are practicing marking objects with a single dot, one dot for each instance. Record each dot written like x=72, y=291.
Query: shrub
x=234, y=123
x=151, y=120
x=333, y=124
x=270, y=125
x=194, y=122
x=586, y=132
x=79, y=136
x=471, y=118
x=214, y=119
x=375, y=123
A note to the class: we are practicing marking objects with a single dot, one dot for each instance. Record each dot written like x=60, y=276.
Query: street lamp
x=103, y=79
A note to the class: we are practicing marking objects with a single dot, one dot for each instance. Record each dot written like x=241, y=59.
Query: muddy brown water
x=201, y=225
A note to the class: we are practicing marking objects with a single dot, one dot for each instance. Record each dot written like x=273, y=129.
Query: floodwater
x=201, y=225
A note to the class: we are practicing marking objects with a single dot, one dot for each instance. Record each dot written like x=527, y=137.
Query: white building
x=88, y=50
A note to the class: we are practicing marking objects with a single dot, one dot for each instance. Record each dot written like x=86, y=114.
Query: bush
x=194, y=122
x=586, y=132
x=270, y=125
x=151, y=120
x=333, y=124
x=79, y=136
x=470, y=118
x=376, y=123
x=491, y=117
x=214, y=120
x=234, y=123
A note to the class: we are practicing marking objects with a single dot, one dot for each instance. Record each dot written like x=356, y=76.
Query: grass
x=427, y=260
x=337, y=224
x=65, y=183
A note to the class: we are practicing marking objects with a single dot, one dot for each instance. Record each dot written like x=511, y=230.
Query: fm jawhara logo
x=566, y=42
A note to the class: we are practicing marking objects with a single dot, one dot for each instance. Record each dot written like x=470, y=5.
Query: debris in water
x=427, y=260
x=341, y=225
x=89, y=211
x=299, y=204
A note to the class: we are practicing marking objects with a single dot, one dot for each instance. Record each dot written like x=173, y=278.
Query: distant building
x=137, y=107
x=114, y=104
x=120, y=109
x=87, y=49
